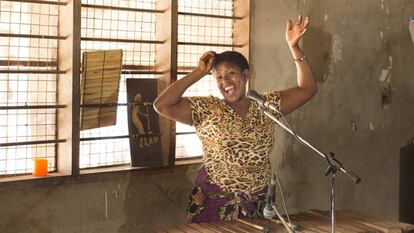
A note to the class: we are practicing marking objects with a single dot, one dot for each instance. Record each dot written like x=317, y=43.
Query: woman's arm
x=170, y=102
x=295, y=97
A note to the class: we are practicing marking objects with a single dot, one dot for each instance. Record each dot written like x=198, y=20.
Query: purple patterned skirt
x=209, y=203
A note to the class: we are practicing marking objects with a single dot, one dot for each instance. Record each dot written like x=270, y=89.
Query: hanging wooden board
x=101, y=71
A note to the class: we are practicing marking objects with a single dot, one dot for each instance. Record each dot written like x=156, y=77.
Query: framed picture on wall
x=143, y=124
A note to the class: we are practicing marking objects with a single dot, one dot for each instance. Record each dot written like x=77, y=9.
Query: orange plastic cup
x=40, y=167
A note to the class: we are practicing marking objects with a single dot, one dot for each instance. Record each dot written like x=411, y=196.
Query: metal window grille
x=202, y=26
x=28, y=74
x=130, y=26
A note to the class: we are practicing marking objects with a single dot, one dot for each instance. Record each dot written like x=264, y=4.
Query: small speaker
x=407, y=183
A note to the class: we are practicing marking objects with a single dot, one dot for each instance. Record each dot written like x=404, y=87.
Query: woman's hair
x=232, y=57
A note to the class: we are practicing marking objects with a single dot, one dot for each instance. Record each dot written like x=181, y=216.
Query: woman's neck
x=241, y=107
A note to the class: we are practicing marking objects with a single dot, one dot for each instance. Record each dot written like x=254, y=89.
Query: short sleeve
x=274, y=98
x=200, y=108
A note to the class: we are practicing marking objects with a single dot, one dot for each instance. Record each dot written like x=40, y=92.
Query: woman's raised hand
x=206, y=62
x=294, y=32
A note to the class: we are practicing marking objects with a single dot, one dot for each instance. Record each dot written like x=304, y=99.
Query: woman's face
x=231, y=81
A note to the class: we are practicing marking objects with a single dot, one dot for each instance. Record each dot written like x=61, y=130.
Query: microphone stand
x=333, y=164
x=270, y=203
x=287, y=227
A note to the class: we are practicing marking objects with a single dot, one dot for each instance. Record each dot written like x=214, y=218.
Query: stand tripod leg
x=288, y=228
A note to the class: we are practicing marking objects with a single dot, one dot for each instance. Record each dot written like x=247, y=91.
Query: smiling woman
x=236, y=162
x=237, y=137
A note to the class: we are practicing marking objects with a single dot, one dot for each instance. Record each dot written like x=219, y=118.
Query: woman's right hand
x=205, y=64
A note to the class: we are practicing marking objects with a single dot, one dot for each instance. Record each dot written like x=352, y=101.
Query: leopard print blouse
x=236, y=152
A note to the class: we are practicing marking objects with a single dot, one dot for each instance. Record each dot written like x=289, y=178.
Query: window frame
x=68, y=83
x=33, y=66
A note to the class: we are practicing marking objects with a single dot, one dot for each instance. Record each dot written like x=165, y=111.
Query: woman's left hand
x=294, y=32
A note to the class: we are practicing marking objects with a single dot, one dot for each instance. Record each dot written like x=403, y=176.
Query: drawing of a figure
x=142, y=109
x=143, y=123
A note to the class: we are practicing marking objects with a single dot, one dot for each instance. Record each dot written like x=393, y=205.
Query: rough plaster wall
x=128, y=202
x=349, y=45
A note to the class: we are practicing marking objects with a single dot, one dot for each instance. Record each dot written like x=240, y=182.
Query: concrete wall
x=355, y=48
x=349, y=46
x=116, y=202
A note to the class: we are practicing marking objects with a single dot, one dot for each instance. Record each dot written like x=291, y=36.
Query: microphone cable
x=283, y=198
x=293, y=226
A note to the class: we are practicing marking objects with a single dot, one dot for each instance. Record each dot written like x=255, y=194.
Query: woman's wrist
x=297, y=53
x=300, y=59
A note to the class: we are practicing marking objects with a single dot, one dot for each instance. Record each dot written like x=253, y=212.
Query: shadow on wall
x=318, y=56
x=155, y=202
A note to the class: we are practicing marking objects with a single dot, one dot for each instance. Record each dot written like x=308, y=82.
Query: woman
x=237, y=138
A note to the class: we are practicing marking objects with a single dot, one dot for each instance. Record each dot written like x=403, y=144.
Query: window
x=40, y=56
x=126, y=25
x=202, y=26
x=28, y=75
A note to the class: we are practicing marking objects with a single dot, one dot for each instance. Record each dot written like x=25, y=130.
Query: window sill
x=59, y=177
x=28, y=177
x=188, y=161
x=178, y=164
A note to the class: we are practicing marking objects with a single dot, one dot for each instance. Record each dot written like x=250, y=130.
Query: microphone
x=253, y=95
x=268, y=211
